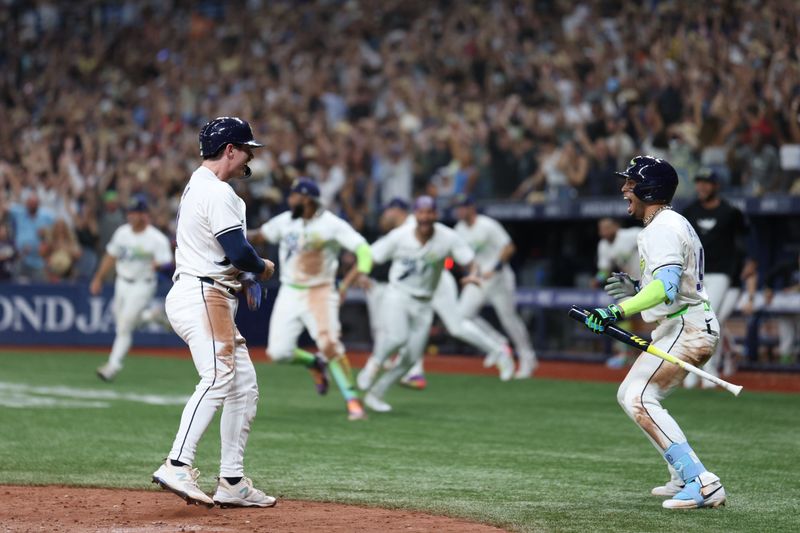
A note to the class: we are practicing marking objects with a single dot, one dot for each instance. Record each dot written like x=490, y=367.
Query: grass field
x=542, y=455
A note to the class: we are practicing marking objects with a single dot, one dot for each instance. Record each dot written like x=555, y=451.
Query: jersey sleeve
x=383, y=248
x=114, y=247
x=347, y=236
x=460, y=250
x=224, y=212
x=664, y=247
x=604, y=256
x=497, y=233
x=271, y=229
x=163, y=254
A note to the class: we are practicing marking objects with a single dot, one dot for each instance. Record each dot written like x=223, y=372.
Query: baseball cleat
x=243, y=494
x=376, y=404
x=355, y=410
x=668, y=489
x=526, y=369
x=107, y=372
x=367, y=375
x=416, y=382
x=703, y=491
x=318, y=372
x=182, y=481
x=506, y=366
x=491, y=358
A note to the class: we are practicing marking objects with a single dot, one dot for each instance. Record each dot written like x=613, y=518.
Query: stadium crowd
x=528, y=101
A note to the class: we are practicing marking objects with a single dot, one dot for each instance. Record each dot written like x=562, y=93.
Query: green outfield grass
x=540, y=455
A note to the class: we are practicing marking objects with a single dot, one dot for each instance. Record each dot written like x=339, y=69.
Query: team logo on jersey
x=641, y=265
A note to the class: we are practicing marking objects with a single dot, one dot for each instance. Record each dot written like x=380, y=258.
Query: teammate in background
x=617, y=254
x=670, y=293
x=723, y=230
x=310, y=239
x=137, y=250
x=213, y=262
x=445, y=305
x=493, y=249
x=417, y=253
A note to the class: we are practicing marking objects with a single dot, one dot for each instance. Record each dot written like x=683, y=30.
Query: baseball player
x=493, y=249
x=310, y=238
x=723, y=229
x=670, y=293
x=445, y=305
x=137, y=250
x=213, y=262
x=617, y=251
x=417, y=253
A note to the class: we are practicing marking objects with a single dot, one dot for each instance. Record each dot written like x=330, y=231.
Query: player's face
x=242, y=155
x=425, y=219
x=463, y=212
x=295, y=202
x=705, y=190
x=635, y=206
x=137, y=219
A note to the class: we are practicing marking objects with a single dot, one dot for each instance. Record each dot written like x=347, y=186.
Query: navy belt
x=131, y=280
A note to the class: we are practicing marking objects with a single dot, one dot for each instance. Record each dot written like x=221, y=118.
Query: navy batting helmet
x=225, y=130
x=655, y=179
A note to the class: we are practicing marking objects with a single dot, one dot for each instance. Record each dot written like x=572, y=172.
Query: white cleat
x=376, y=404
x=668, y=489
x=243, y=494
x=704, y=491
x=108, y=372
x=182, y=480
x=492, y=358
x=526, y=368
x=367, y=375
x=506, y=366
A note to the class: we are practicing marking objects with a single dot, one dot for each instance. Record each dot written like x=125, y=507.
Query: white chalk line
x=22, y=395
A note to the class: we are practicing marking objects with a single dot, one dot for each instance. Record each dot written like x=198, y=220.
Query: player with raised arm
x=671, y=294
x=445, y=305
x=137, y=250
x=310, y=238
x=417, y=252
x=493, y=249
x=213, y=262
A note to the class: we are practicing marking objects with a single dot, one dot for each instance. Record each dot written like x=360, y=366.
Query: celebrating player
x=670, y=293
x=214, y=261
x=493, y=249
x=417, y=252
x=310, y=239
x=137, y=250
x=445, y=305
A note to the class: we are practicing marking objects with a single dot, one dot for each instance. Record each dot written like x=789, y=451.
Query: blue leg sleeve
x=684, y=461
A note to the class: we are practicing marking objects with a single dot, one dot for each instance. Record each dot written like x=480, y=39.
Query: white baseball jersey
x=209, y=207
x=622, y=253
x=670, y=240
x=487, y=237
x=416, y=267
x=136, y=253
x=309, y=249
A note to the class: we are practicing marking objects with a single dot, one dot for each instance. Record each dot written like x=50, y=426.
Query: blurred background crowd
x=527, y=101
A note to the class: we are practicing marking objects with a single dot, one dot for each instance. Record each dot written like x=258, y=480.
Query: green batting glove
x=601, y=317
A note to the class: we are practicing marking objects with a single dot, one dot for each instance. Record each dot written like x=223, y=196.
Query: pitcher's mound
x=71, y=509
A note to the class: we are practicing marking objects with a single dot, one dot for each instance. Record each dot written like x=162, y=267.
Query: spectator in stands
x=761, y=169
x=784, y=277
x=8, y=253
x=111, y=217
x=60, y=251
x=29, y=224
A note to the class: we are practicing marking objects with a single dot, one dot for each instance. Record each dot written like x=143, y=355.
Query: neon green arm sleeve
x=364, y=258
x=649, y=296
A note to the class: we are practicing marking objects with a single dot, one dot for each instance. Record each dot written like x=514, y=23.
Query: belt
x=132, y=280
x=683, y=310
x=210, y=281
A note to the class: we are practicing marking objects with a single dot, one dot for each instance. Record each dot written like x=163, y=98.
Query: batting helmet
x=655, y=179
x=225, y=130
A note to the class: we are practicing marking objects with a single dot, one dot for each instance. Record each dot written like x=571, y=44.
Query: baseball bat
x=579, y=314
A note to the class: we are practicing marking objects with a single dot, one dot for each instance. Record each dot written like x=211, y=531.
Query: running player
x=417, y=253
x=493, y=249
x=670, y=293
x=137, y=250
x=310, y=239
x=445, y=305
x=213, y=262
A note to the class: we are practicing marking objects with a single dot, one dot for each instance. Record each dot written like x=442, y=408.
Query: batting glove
x=252, y=289
x=600, y=318
x=621, y=285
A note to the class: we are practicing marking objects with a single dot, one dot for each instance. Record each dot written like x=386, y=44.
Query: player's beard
x=297, y=211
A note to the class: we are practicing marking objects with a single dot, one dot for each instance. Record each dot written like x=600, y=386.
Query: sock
x=233, y=480
x=339, y=368
x=302, y=357
x=173, y=462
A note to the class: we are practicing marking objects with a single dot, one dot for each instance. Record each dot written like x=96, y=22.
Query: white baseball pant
x=203, y=316
x=131, y=298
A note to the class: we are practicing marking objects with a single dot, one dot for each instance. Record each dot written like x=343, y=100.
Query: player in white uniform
x=137, y=250
x=417, y=254
x=445, y=305
x=214, y=261
x=671, y=294
x=493, y=249
x=311, y=238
